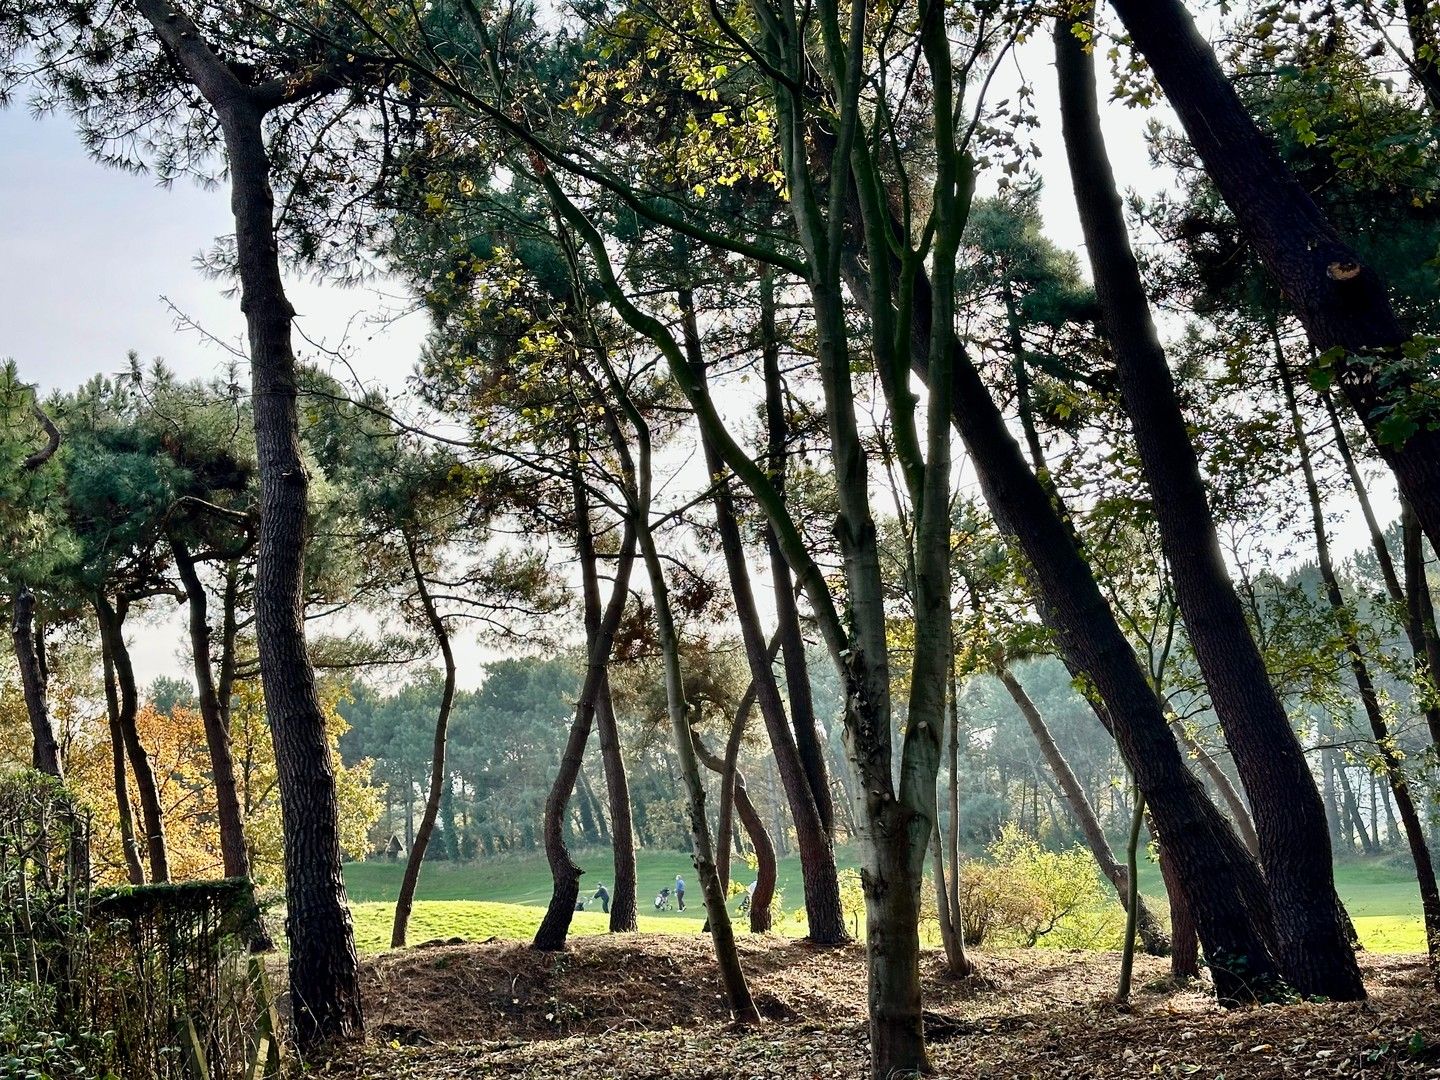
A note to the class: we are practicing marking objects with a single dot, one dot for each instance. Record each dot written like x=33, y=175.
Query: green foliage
x=1021, y=892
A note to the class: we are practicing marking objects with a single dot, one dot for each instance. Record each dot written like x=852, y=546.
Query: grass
x=505, y=897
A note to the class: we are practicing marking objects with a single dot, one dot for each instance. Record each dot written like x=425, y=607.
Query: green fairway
x=506, y=897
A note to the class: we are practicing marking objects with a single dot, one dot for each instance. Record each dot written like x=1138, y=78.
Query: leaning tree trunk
x=234, y=851
x=324, y=970
x=826, y=919
x=45, y=750
x=1341, y=301
x=1152, y=934
x=1239, y=812
x=1390, y=756
x=134, y=867
x=600, y=628
x=405, y=902
x=761, y=918
x=1313, y=952
x=112, y=619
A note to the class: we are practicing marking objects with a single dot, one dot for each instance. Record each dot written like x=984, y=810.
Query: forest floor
x=647, y=1006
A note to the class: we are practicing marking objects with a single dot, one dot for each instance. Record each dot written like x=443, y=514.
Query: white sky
x=91, y=252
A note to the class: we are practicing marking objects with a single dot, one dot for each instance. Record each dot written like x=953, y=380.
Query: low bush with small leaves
x=1021, y=891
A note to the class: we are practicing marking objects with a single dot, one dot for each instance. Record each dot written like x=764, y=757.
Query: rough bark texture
x=324, y=979
x=45, y=750
x=1289, y=814
x=1152, y=934
x=1239, y=811
x=405, y=902
x=1341, y=301
x=111, y=619
x=825, y=918
x=233, y=850
x=623, y=906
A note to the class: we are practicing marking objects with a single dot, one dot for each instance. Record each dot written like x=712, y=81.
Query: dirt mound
x=647, y=1007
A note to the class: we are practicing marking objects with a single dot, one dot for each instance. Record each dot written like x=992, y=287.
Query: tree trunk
x=824, y=915
x=600, y=628
x=45, y=751
x=808, y=742
x=405, y=902
x=623, y=905
x=761, y=918
x=324, y=971
x=1289, y=816
x=1420, y=617
x=111, y=619
x=134, y=867
x=1152, y=934
x=1184, y=945
x=1239, y=811
x=1132, y=897
x=1390, y=755
x=1341, y=301
x=1352, y=813
x=234, y=851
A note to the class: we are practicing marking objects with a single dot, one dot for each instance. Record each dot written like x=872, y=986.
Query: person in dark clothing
x=679, y=892
x=603, y=895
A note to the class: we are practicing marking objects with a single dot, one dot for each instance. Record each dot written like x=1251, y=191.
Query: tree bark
x=1289, y=815
x=761, y=917
x=600, y=628
x=808, y=741
x=1341, y=301
x=825, y=918
x=324, y=970
x=135, y=868
x=405, y=902
x=1184, y=945
x=111, y=619
x=1420, y=615
x=1152, y=935
x=45, y=750
x=1390, y=755
x=234, y=851
x=623, y=905
x=1239, y=811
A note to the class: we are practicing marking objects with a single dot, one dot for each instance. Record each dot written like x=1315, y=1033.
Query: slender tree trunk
x=826, y=919
x=952, y=935
x=1341, y=301
x=761, y=917
x=623, y=905
x=405, y=902
x=45, y=751
x=808, y=742
x=234, y=851
x=1152, y=935
x=957, y=915
x=1352, y=814
x=1390, y=755
x=1132, y=897
x=111, y=619
x=1234, y=801
x=324, y=970
x=1289, y=815
x=1420, y=617
x=600, y=628
x=135, y=868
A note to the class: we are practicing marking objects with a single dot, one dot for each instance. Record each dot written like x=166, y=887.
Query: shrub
x=1021, y=891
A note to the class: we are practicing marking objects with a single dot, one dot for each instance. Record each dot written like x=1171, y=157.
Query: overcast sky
x=92, y=256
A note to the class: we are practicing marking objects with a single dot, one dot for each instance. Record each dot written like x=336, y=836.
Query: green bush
x=1020, y=891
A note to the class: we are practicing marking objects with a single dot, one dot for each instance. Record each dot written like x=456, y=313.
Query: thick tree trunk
x=234, y=851
x=1289, y=815
x=324, y=971
x=1184, y=945
x=825, y=918
x=111, y=619
x=1152, y=934
x=1389, y=755
x=405, y=902
x=600, y=628
x=135, y=868
x=623, y=905
x=1341, y=301
x=45, y=751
